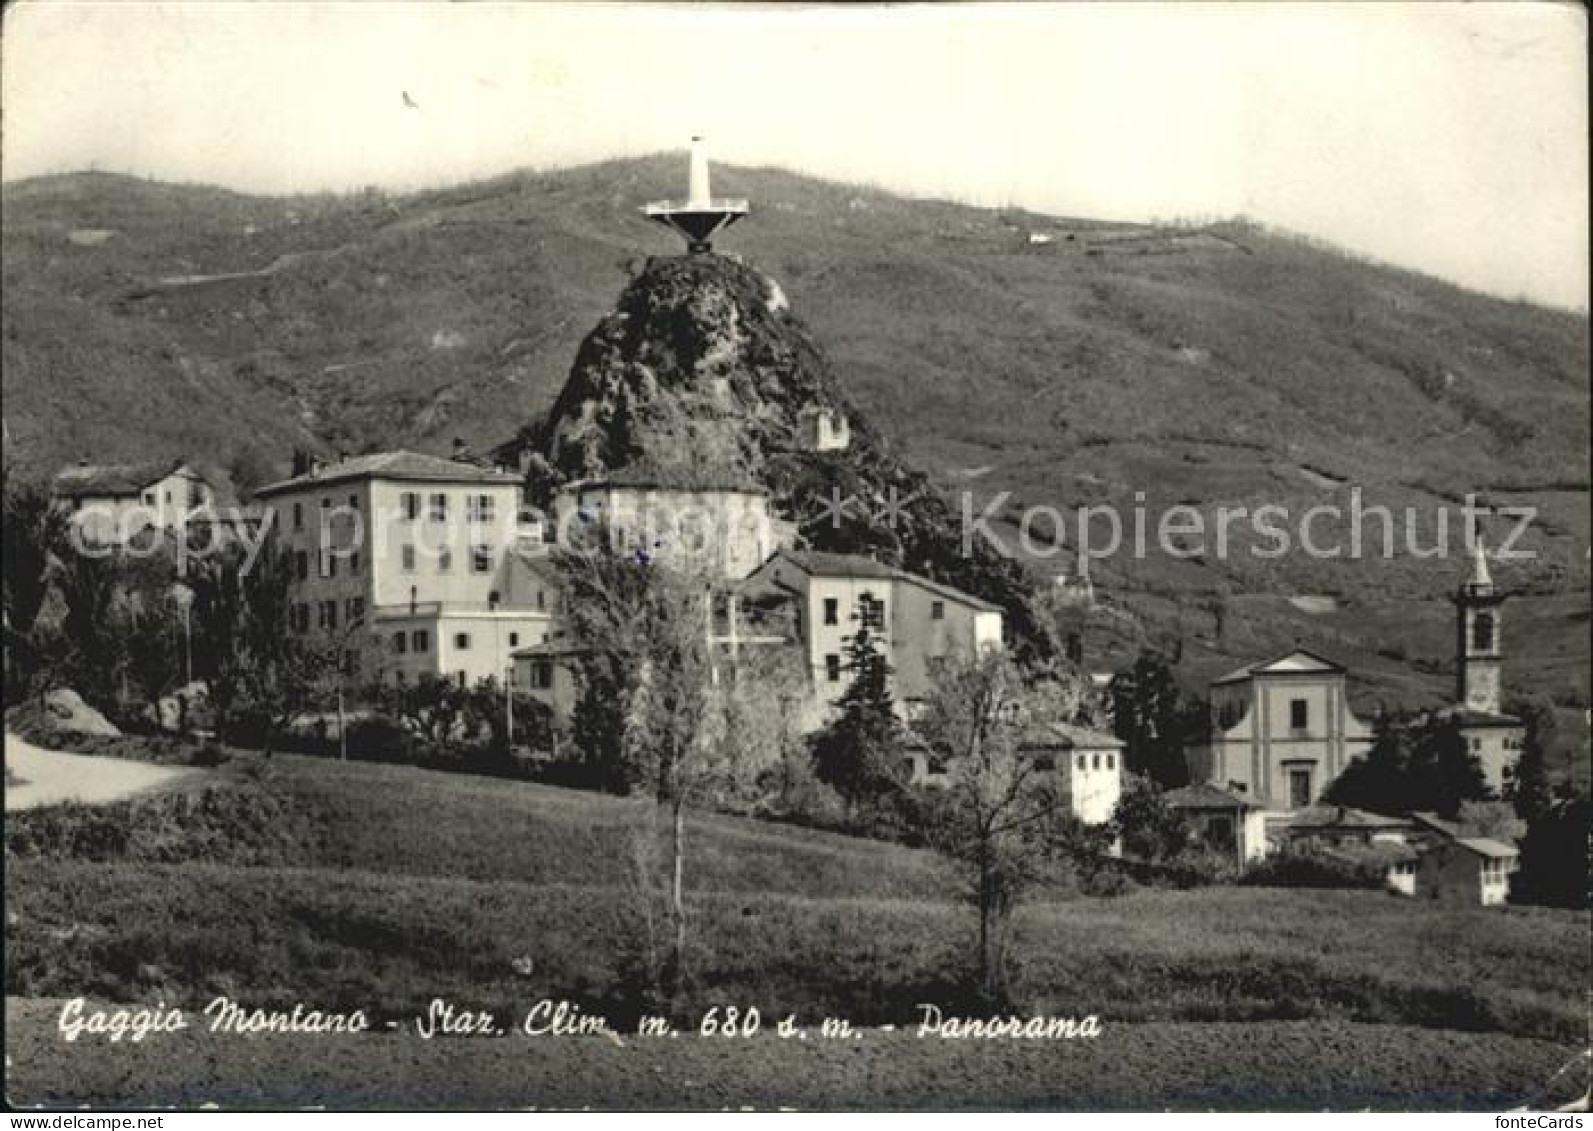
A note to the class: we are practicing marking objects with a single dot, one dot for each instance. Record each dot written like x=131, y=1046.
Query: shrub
x=210, y=754
x=378, y=738
x=1306, y=868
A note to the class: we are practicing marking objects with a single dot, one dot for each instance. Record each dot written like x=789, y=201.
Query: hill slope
x=1079, y=362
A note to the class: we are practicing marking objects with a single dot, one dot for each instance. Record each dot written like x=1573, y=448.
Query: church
x=1282, y=729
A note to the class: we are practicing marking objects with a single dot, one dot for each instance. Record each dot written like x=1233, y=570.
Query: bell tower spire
x=1479, y=658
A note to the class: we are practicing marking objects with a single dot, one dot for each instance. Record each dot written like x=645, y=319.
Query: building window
x=439, y=508
x=1482, y=633
x=1111, y=761
x=462, y=641
x=298, y=516
x=1095, y=761
x=542, y=674
x=419, y=641
x=411, y=504
x=871, y=612
x=299, y=618
x=481, y=508
x=832, y=610
x=328, y=615
x=541, y=602
x=1299, y=714
x=400, y=643
x=481, y=559
x=445, y=559
x=301, y=564
x=353, y=502
x=354, y=609
x=354, y=562
x=937, y=610
x=328, y=564
x=514, y=640
x=407, y=556
x=149, y=498
x=832, y=668
x=1081, y=762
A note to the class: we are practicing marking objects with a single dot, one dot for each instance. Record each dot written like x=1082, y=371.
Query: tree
x=91, y=652
x=860, y=753
x=1000, y=813
x=258, y=664
x=1413, y=765
x=646, y=631
x=152, y=635
x=1154, y=720
x=1527, y=787
x=1148, y=828
x=34, y=536
x=1554, y=856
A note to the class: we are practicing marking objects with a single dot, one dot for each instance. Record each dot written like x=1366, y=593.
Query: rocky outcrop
x=701, y=375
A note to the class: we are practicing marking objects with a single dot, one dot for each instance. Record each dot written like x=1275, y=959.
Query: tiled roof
x=1469, y=717
x=1379, y=855
x=393, y=465
x=820, y=564
x=1069, y=736
x=1486, y=846
x=1204, y=795
x=85, y=480
x=1282, y=665
x=1342, y=817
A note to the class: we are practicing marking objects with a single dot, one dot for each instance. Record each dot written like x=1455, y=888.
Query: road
x=48, y=777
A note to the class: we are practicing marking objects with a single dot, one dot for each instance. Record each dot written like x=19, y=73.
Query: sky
x=1450, y=138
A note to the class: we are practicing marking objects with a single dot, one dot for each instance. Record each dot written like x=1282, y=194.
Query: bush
x=210, y=754
x=378, y=738
x=221, y=824
x=1305, y=868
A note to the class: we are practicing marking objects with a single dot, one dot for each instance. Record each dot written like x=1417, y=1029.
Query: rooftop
x=115, y=479
x=1204, y=795
x=1342, y=817
x=392, y=465
x=1296, y=661
x=1486, y=846
x=1070, y=736
x=819, y=564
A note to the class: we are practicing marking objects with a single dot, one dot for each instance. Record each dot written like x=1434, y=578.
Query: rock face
x=66, y=711
x=700, y=377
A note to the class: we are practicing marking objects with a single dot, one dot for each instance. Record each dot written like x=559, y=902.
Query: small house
x=1222, y=820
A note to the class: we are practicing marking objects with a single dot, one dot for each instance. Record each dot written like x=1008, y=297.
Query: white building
x=1281, y=731
x=914, y=620
x=418, y=563
x=110, y=504
x=1089, y=764
x=725, y=532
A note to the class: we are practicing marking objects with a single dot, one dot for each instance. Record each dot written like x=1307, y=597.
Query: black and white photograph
x=811, y=557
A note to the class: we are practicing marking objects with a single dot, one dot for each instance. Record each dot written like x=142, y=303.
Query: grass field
x=380, y=888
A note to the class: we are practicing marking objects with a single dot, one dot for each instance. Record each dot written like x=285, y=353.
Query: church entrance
x=1299, y=789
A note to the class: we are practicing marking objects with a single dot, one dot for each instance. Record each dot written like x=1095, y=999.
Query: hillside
x=1068, y=362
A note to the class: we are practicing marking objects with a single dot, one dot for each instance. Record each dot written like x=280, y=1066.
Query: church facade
x=1281, y=730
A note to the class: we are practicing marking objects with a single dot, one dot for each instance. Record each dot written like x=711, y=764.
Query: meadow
x=354, y=886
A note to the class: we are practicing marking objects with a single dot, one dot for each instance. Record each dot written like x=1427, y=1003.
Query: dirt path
x=48, y=777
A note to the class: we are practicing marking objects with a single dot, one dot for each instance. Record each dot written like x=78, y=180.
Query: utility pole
x=508, y=703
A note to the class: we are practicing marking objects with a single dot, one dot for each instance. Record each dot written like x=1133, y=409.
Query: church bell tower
x=1478, y=657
